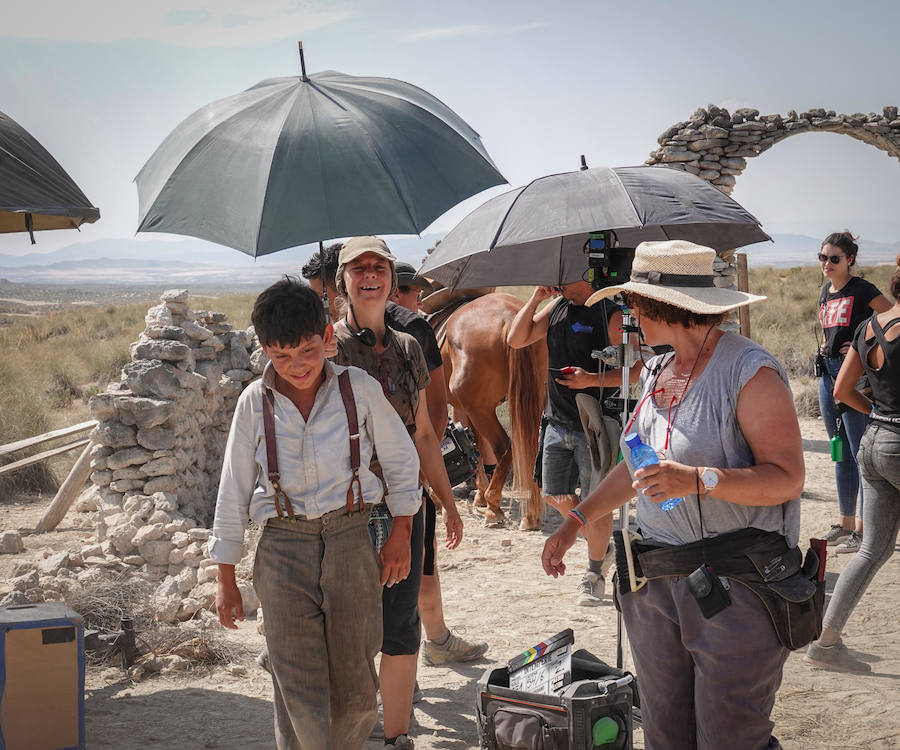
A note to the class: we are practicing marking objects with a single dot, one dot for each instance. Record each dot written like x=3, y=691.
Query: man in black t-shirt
x=572, y=332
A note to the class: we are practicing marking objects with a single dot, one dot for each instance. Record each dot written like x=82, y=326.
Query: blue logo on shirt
x=582, y=328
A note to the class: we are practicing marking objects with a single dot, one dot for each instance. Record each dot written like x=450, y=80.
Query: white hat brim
x=705, y=300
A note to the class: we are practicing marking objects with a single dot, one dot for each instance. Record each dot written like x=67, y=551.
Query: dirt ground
x=494, y=589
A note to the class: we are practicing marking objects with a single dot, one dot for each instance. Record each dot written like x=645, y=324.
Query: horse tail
x=525, y=397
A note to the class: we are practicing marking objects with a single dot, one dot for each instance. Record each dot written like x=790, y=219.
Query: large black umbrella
x=36, y=193
x=536, y=234
x=303, y=159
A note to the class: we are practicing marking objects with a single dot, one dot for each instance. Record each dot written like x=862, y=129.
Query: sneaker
x=850, y=544
x=454, y=649
x=836, y=534
x=401, y=743
x=836, y=658
x=591, y=589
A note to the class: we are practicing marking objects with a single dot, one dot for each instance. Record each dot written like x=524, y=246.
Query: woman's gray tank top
x=706, y=433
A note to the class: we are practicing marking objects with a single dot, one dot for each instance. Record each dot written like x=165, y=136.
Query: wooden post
x=67, y=492
x=743, y=285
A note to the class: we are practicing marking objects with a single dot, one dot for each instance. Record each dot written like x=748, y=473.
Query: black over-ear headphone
x=365, y=336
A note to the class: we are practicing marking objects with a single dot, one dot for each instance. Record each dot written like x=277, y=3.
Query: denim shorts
x=566, y=462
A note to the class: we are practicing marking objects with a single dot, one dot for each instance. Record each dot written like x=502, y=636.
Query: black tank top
x=575, y=330
x=885, y=381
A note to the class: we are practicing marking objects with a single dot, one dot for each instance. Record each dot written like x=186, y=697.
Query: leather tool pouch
x=792, y=595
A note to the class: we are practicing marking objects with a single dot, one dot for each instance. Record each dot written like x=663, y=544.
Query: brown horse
x=481, y=372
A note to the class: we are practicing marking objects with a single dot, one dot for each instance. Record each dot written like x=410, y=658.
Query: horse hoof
x=493, y=517
x=479, y=500
x=528, y=525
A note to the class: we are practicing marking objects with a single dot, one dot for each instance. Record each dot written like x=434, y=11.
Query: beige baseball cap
x=356, y=246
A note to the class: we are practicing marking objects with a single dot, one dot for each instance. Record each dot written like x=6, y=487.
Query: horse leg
x=492, y=432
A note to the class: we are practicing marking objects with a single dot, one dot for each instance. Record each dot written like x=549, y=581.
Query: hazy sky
x=100, y=83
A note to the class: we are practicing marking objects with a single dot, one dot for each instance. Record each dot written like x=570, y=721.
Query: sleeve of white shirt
x=396, y=452
x=239, y=478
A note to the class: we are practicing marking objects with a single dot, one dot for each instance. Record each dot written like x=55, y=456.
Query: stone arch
x=715, y=145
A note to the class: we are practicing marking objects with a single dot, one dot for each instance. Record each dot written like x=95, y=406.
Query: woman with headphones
x=366, y=278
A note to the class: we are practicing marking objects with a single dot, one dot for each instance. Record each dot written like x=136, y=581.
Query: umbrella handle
x=303, y=76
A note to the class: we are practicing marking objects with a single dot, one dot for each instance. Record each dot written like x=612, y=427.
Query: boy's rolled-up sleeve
x=396, y=452
x=236, y=485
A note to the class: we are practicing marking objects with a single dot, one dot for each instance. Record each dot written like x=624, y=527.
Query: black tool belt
x=779, y=575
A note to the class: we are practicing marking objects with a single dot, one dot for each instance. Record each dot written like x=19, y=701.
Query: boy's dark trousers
x=319, y=584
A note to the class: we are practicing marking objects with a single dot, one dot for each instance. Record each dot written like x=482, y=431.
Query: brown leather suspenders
x=268, y=404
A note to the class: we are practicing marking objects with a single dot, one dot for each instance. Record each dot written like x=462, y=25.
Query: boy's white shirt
x=313, y=458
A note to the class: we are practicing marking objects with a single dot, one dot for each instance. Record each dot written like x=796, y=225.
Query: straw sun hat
x=678, y=273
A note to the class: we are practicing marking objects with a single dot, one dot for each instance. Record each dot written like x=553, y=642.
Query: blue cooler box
x=41, y=677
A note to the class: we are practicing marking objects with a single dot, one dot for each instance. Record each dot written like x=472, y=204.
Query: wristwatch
x=709, y=479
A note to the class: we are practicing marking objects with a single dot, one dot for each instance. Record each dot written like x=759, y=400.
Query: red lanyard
x=670, y=418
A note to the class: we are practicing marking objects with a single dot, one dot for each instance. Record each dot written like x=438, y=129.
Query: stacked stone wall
x=715, y=144
x=158, y=448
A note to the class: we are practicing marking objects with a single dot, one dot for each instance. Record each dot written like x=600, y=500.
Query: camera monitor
x=607, y=264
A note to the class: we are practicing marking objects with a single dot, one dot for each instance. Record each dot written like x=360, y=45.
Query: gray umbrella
x=36, y=193
x=302, y=159
x=536, y=234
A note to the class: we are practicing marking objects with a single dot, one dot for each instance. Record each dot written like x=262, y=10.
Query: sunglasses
x=833, y=259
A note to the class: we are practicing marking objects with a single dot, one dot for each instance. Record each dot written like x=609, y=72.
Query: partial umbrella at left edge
x=36, y=193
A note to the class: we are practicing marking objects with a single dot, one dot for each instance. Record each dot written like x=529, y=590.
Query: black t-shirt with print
x=841, y=312
x=574, y=331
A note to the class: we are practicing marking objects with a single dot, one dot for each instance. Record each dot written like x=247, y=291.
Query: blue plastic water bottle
x=643, y=455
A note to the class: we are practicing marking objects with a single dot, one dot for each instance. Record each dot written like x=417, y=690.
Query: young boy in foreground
x=316, y=571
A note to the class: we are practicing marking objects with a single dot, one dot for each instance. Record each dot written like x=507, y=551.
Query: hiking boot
x=403, y=742
x=836, y=658
x=454, y=649
x=836, y=534
x=850, y=545
x=591, y=589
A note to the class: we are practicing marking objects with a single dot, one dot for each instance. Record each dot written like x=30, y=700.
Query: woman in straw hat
x=719, y=413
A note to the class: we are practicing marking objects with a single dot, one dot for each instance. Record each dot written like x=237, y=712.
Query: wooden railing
x=73, y=482
x=20, y=445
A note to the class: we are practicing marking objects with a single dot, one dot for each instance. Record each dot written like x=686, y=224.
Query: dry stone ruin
x=715, y=144
x=156, y=459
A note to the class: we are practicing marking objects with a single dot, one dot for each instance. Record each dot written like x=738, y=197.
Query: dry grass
x=103, y=604
x=54, y=362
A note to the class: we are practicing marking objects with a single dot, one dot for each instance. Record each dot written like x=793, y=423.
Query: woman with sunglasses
x=845, y=301
x=876, y=350
x=366, y=278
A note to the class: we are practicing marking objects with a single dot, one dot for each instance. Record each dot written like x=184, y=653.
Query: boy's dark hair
x=287, y=312
x=663, y=312
x=325, y=261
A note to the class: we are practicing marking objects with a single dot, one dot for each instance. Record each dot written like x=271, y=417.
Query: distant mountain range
x=195, y=263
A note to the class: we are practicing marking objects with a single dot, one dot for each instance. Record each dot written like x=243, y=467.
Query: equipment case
x=41, y=677
x=533, y=721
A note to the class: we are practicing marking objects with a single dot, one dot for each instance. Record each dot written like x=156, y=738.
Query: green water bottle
x=837, y=443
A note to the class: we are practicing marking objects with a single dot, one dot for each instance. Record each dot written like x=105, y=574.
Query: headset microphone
x=365, y=336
